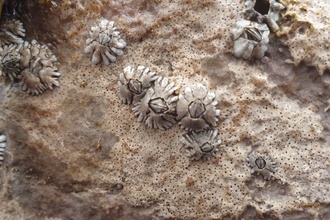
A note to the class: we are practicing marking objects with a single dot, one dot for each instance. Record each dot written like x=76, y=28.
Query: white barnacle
x=196, y=109
x=250, y=39
x=10, y=61
x=272, y=15
x=261, y=163
x=104, y=43
x=157, y=107
x=133, y=85
x=201, y=144
x=3, y=145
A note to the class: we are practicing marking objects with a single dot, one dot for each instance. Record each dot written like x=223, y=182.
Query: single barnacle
x=196, y=109
x=250, y=39
x=261, y=163
x=201, y=145
x=133, y=85
x=3, y=145
x=104, y=43
x=157, y=107
x=11, y=32
x=270, y=18
x=10, y=61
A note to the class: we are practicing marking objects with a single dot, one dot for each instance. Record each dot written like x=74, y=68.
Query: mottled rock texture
x=78, y=152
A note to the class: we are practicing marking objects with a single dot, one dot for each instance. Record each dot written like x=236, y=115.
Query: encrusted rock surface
x=79, y=151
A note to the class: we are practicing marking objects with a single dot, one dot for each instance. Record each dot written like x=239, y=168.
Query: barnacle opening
x=158, y=105
x=135, y=86
x=262, y=6
x=196, y=108
x=253, y=33
x=207, y=147
x=260, y=162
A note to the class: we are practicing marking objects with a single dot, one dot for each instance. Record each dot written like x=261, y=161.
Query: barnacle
x=157, y=107
x=11, y=32
x=261, y=163
x=133, y=85
x=15, y=27
x=270, y=18
x=201, y=145
x=10, y=61
x=250, y=39
x=196, y=109
x=104, y=43
x=3, y=145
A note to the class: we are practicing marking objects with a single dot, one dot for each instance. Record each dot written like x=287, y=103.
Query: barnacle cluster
x=32, y=64
x=104, y=43
x=201, y=145
x=261, y=163
x=3, y=145
x=156, y=103
x=251, y=37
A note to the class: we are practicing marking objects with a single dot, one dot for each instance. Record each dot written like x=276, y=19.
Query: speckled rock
x=86, y=151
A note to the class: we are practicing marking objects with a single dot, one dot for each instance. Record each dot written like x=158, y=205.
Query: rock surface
x=77, y=152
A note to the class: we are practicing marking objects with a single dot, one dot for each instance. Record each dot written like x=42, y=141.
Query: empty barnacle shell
x=157, y=107
x=250, y=39
x=261, y=163
x=104, y=43
x=272, y=15
x=3, y=145
x=196, y=109
x=201, y=144
x=132, y=85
